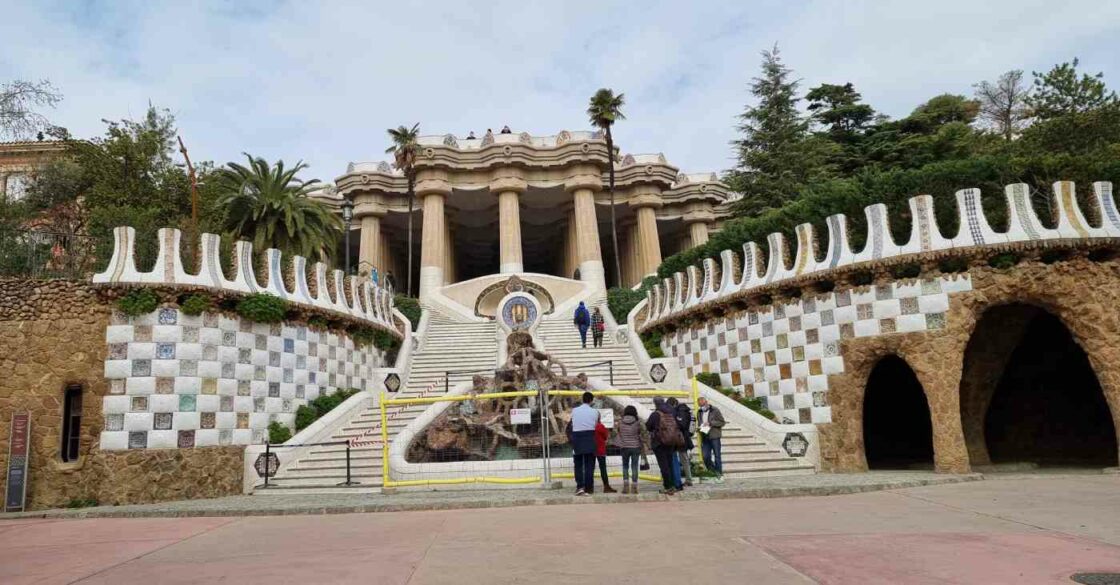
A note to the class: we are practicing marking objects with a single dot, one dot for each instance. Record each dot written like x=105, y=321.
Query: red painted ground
x=1005, y=531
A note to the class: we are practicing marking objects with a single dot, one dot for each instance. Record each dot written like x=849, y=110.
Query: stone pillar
x=433, y=189
x=571, y=262
x=369, y=247
x=583, y=184
x=626, y=242
x=509, y=185
x=698, y=233
x=649, y=243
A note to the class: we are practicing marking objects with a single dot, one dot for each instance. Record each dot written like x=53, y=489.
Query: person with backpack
x=598, y=327
x=665, y=435
x=582, y=321
x=683, y=468
x=631, y=443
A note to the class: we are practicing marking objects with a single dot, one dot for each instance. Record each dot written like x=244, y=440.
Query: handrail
x=268, y=446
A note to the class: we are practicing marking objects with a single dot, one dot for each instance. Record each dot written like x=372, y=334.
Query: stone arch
x=897, y=426
x=1029, y=392
x=935, y=365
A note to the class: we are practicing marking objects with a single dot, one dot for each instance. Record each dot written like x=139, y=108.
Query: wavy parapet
x=715, y=279
x=352, y=297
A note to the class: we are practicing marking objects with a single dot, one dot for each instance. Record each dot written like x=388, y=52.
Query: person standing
x=602, y=433
x=582, y=321
x=598, y=326
x=630, y=442
x=665, y=435
x=683, y=466
x=584, y=419
x=711, y=431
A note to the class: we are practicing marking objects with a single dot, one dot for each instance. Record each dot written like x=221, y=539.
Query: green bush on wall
x=409, y=307
x=708, y=379
x=278, y=433
x=652, y=342
x=138, y=302
x=305, y=415
x=195, y=304
x=262, y=308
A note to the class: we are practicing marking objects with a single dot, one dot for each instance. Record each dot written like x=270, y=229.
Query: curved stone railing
x=732, y=275
x=350, y=297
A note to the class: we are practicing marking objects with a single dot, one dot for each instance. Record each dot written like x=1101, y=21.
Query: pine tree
x=776, y=155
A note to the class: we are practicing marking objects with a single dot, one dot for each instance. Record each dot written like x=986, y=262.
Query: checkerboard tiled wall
x=182, y=381
x=785, y=353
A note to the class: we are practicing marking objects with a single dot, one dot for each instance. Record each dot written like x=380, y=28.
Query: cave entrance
x=1047, y=407
x=897, y=429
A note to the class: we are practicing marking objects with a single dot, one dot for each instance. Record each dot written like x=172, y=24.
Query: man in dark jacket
x=582, y=322
x=711, y=424
x=666, y=454
x=683, y=468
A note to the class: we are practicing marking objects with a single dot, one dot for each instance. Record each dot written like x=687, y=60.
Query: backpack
x=668, y=432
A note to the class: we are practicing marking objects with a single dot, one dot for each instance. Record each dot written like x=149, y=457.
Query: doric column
x=509, y=187
x=626, y=244
x=369, y=208
x=448, y=252
x=648, y=248
x=698, y=233
x=583, y=184
x=432, y=188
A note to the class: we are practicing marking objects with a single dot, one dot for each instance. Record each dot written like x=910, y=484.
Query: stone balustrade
x=734, y=275
x=350, y=297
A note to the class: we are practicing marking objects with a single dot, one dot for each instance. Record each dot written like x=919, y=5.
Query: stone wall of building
x=811, y=357
x=177, y=380
x=1083, y=294
x=52, y=336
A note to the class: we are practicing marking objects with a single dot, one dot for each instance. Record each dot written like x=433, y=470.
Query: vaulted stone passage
x=897, y=432
x=1044, y=403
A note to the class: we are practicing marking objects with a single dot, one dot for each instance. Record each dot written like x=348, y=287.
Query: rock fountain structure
x=480, y=430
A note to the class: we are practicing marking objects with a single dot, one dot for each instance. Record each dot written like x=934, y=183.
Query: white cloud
x=321, y=82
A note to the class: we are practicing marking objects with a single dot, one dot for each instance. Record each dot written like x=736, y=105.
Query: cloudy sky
x=322, y=81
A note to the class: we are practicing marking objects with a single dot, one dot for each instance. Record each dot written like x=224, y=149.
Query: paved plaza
x=1011, y=529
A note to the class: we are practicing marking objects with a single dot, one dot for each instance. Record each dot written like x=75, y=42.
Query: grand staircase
x=468, y=347
x=449, y=345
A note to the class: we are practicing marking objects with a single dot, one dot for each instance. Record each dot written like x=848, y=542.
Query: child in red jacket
x=601, y=436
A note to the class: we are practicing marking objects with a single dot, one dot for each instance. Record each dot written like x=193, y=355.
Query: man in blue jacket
x=582, y=321
x=584, y=419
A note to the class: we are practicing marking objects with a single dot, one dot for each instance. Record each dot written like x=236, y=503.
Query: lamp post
x=347, y=219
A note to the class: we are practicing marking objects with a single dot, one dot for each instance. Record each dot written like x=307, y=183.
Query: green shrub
x=708, y=379
x=262, y=308
x=317, y=322
x=862, y=278
x=1053, y=255
x=909, y=270
x=305, y=415
x=953, y=265
x=82, y=503
x=195, y=304
x=362, y=336
x=409, y=307
x=278, y=433
x=138, y=302
x=651, y=340
x=1003, y=261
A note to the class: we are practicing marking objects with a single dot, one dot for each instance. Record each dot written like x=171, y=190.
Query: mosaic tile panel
x=182, y=373
x=789, y=351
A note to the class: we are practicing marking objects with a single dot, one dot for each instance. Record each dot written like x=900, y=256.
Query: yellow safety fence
x=385, y=403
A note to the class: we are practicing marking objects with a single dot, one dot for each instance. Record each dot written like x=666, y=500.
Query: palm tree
x=268, y=205
x=604, y=110
x=404, y=150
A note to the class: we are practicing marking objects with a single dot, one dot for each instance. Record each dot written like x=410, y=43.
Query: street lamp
x=347, y=219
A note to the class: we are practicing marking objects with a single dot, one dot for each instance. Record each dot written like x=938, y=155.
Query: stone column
x=509, y=185
x=583, y=184
x=369, y=247
x=626, y=242
x=649, y=243
x=449, y=275
x=432, y=189
x=698, y=233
